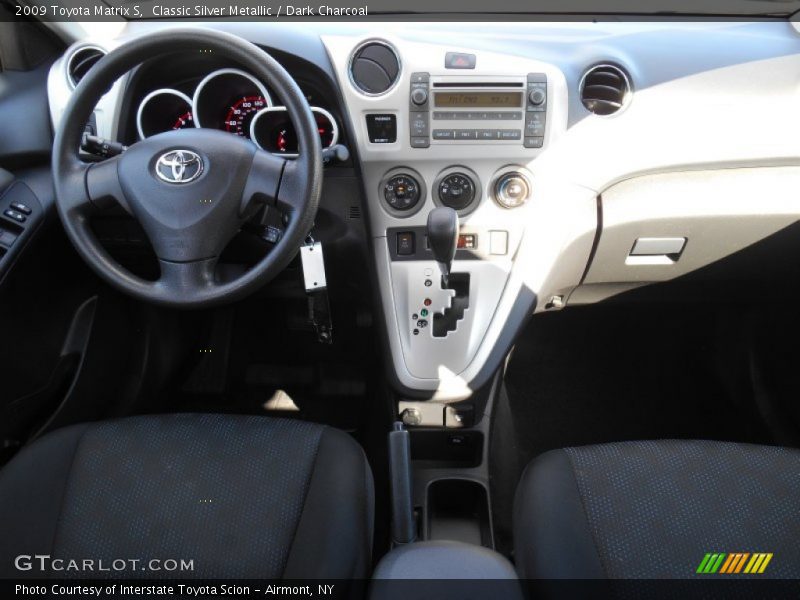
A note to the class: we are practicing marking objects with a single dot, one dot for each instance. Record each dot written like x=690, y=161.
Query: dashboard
x=585, y=160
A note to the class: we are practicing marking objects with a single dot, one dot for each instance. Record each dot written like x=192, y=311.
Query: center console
x=438, y=126
x=449, y=141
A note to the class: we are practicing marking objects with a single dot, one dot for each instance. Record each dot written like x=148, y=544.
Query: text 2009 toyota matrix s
x=372, y=302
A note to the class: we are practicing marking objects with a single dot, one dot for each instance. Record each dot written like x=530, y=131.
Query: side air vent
x=81, y=61
x=374, y=68
x=605, y=89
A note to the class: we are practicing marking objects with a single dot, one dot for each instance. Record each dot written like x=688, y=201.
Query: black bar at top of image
x=395, y=10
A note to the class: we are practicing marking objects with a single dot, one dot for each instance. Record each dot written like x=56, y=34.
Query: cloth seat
x=655, y=509
x=238, y=496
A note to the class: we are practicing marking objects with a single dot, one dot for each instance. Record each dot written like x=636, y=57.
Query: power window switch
x=7, y=238
x=405, y=243
x=22, y=208
x=14, y=215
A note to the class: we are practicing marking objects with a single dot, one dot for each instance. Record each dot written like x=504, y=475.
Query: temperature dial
x=457, y=191
x=401, y=192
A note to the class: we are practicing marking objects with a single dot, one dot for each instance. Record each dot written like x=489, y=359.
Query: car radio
x=502, y=110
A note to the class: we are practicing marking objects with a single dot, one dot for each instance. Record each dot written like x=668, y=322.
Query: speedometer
x=228, y=99
x=241, y=112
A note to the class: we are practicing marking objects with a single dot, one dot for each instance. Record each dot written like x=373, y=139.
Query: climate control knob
x=457, y=191
x=512, y=189
x=401, y=192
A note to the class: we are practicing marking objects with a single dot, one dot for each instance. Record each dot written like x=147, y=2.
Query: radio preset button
x=466, y=135
x=440, y=115
x=510, y=134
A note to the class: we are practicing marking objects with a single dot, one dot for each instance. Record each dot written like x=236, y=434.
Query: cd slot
x=478, y=84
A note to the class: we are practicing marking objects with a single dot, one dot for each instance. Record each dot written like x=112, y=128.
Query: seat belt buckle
x=316, y=285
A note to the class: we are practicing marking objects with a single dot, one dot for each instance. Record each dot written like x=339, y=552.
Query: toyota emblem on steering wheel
x=179, y=166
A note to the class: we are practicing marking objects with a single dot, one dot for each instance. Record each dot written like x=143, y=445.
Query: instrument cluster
x=234, y=101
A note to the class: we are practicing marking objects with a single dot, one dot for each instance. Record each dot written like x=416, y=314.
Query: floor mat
x=264, y=358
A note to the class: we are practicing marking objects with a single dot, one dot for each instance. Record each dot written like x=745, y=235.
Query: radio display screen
x=478, y=99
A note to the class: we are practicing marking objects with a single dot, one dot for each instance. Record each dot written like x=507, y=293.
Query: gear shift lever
x=443, y=238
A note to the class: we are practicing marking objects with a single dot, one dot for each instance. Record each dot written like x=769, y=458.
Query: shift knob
x=443, y=237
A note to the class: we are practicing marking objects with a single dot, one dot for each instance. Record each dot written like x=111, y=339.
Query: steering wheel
x=190, y=189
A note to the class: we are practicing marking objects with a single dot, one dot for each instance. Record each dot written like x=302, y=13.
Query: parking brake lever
x=404, y=527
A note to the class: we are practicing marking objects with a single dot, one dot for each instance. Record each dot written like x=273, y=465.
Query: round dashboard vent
x=605, y=89
x=81, y=61
x=374, y=68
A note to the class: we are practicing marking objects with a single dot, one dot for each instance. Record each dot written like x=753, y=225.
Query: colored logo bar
x=734, y=562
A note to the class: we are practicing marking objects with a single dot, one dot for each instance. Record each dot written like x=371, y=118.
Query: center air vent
x=605, y=89
x=374, y=68
x=81, y=61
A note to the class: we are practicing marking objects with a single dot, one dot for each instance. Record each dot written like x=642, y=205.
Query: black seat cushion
x=242, y=497
x=653, y=509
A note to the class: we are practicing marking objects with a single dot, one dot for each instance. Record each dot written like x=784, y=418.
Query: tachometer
x=242, y=112
x=163, y=110
x=183, y=121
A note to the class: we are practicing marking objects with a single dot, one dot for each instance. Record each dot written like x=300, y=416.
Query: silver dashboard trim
x=356, y=50
x=628, y=96
x=73, y=51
